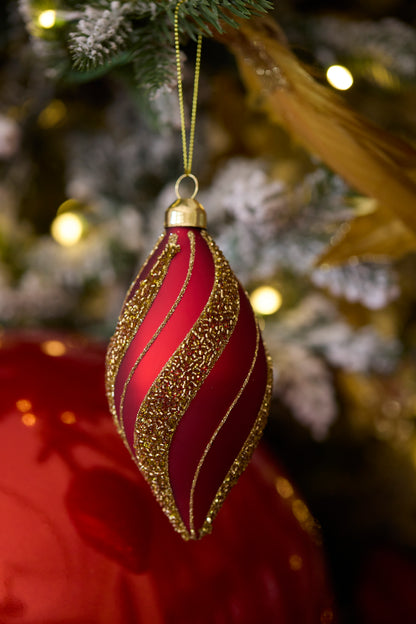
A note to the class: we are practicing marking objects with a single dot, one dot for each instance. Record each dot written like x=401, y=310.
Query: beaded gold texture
x=179, y=382
x=243, y=458
x=180, y=379
x=133, y=312
x=191, y=237
x=215, y=434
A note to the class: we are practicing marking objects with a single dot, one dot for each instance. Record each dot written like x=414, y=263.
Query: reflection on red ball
x=82, y=539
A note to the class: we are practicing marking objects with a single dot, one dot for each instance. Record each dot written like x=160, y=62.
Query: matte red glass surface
x=205, y=413
x=186, y=313
x=216, y=418
x=230, y=439
x=83, y=541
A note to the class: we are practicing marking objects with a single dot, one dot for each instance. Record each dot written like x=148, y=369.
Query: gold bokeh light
x=23, y=405
x=339, y=77
x=55, y=348
x=68, y=418
x=47, y=19
x=67, y=229
x=52, y=114
x=266, y=300
x=28, y=419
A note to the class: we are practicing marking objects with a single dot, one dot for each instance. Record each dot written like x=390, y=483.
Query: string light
x=28, y=419
x=295, y=562
x=284, y=487
x=23, y=405
x=68, y=418
x=266, y=300
x=67, y=229
x=339, y=77
x=55, y=348
x=47, y=18
x=52, y=115
x=327, y=616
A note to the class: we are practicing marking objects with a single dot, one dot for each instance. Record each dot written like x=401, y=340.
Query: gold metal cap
x=186, y=212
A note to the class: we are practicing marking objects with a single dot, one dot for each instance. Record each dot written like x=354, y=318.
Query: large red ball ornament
x=188, y=379
x=385, y=591
x=82, y=539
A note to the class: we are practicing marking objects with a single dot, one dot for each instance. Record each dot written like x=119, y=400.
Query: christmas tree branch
x=107, y=32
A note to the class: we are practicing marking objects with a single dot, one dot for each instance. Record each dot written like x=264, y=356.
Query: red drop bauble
x=82, y=539
x=188, y=379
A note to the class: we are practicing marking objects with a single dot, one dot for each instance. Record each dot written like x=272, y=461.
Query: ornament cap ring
x=178, y=183
x=186, y=213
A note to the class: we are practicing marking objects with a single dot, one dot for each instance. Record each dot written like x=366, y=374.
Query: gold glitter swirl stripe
x=180, y=380
x=132, y=315
x=243, y=458
x=110, y=344
x=144, y=265
x=191, y=237
x=214, y=435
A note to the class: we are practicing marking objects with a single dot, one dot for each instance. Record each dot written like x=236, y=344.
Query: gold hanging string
x=187, y=148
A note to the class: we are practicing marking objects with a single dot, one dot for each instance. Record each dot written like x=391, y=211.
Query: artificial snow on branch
x=99, y=34
x=135, y=33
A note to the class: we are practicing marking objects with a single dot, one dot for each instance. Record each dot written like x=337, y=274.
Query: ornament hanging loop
x=186, y=211
x=187, y=146
x=178, y=183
